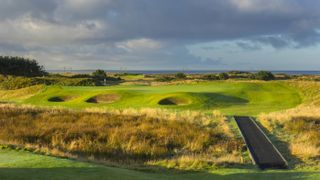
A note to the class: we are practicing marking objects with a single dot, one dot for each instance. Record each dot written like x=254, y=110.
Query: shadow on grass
x=4, y=102
x=282, y=146
x=123, y=174
x=218, y=99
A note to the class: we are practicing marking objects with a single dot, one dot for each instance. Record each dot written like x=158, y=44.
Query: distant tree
x=19, y=66
x=210, y=77
x=165, y=78
x=223, y=76
x=99, y=74
x=264, y=75
x=99, y=77
x=180, y=76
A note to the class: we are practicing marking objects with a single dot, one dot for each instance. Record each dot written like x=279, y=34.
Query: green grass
x=231, y=98
x=20, y=94
x=15, y=164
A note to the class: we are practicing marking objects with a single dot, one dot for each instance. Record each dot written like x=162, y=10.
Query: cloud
x=126, y=31
x=139, y=45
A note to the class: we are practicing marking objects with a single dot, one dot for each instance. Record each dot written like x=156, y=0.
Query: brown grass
x=301, y=126
x=126, y=136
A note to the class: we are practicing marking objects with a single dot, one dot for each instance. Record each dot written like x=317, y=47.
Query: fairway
x=16, y=164
x=231, y=98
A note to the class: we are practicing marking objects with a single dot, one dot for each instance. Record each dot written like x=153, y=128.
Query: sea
x=88, y=71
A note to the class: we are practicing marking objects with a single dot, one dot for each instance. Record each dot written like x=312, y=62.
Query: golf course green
x=231, y=98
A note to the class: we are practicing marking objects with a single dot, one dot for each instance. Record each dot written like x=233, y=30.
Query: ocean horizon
x=88, y=71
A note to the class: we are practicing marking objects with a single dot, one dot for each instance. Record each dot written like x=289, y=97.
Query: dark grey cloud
x=122, y=30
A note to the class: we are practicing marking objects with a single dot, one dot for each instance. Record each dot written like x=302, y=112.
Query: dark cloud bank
x=150, y=33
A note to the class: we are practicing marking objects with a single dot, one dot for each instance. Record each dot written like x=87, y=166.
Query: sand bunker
x=174, y=101
x=61, y=98
x=104, y=98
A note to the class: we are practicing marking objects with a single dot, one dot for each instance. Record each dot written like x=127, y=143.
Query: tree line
x=20, y=66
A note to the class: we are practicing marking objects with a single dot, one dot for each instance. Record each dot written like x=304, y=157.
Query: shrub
x=180, y=76
x=165, y=78
x=81, y=76
x=210, y=77
x=264, y=75
x=19, y=66
x=99, y=74
x=67, y=81
x=18, y=82
x=11, y=82
x=100, y=78
x=223, y=76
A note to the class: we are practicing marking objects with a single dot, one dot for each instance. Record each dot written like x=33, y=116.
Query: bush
x=66, y=81
x=223, y=76
x=180, y=76
x=18, y=82
x=19, y=66
x=165, y=78
x=81, y=76
x=11, y=82
x=211, y=77
x=264, y=75
x=99, y=74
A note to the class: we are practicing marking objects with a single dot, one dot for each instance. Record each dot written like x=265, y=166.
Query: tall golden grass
x=121, y=136
x=302, y=128
x=299, y=126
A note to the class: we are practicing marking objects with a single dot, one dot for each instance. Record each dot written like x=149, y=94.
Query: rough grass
x=121, y=137
x=231, y=98
x=299, y=127
x=20, y=94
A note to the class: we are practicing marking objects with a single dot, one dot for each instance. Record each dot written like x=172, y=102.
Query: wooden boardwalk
x=262, y=151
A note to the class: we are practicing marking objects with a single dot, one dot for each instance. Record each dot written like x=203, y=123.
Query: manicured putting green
x=231, y=98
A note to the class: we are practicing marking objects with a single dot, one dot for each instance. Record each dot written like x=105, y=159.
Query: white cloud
x=27, y=30
x=282, y=6
x=139, y=45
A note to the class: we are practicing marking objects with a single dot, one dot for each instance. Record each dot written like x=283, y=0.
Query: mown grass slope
x=231, y=98
x=19, y=164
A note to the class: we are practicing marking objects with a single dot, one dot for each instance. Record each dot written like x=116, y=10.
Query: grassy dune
x=299, y=127
x=231, y=98
x=20, y=94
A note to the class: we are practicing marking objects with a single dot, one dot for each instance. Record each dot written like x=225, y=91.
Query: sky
x=163, y=34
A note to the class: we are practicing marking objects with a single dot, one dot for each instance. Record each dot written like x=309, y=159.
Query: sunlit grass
x=231, y=98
